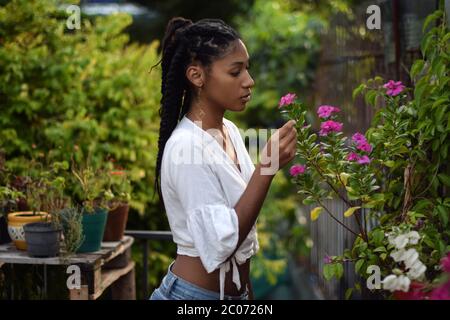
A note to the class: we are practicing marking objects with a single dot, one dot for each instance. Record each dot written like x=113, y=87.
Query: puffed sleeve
x=211, y=222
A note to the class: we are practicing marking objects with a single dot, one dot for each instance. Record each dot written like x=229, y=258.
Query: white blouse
x=201, y=185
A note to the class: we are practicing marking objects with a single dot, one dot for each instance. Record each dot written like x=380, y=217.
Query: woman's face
x=228, y=82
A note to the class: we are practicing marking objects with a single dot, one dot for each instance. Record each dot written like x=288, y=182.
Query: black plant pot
x=42, y=239
x=4, y=236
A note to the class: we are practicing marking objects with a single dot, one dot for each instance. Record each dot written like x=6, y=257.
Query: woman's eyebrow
x=239, y=63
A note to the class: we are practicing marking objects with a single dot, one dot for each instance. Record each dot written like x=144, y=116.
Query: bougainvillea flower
x=358, y=138
x=364, y=146
x=297, y=169
x=352, y=156
x=445, y=263
x=326, y=111
x=394, y=88
x=330, y=126
x=327, y=259
x=364, y=160
x=287, y=100
x=441, y=293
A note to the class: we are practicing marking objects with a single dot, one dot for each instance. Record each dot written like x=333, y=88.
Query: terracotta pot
x=17, y=220
x=116, y=223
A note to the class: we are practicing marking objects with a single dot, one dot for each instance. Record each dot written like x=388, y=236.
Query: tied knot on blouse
x=201, y=185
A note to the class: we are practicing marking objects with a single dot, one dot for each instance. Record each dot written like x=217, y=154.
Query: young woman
x=210, y=188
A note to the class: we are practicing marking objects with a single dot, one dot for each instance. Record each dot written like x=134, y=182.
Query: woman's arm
x=250, y=203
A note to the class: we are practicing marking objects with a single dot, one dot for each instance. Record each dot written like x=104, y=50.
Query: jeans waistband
x=194, y=289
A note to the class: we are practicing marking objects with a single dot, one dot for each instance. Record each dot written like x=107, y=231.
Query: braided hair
x=185, y=42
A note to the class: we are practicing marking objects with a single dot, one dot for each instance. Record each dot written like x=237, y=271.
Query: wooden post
x=125, y=287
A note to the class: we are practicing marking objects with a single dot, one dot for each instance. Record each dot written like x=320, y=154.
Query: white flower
x=414, y=237
x=410, y=257
x=394, y=283
x=390, y=282
x=401, y=241
x=417, y=270
x=403, y=283
x=398, y=255
x=391, y=238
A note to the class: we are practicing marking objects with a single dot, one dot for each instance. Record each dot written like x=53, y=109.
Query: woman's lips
x=246, y=98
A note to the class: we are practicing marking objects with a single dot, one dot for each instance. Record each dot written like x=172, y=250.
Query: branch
x=339, y=222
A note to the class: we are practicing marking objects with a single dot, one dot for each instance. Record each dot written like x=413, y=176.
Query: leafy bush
x=398, y=172
x=87, y=89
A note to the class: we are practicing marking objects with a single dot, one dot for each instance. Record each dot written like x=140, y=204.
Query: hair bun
x=175, y=25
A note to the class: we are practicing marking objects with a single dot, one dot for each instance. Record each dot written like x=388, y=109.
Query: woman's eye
x=235, y=74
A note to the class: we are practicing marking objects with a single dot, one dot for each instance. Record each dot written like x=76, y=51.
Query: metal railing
x=147, y=236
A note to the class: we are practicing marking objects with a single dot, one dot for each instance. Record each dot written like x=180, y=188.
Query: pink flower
x=364, y=146
x=327, y=259
x=394, y=88
x=329, y=126
x=361, y=142
x=358, y=138
x=352, y=156
x=326, y=111
x=415, y=292
x=441, y=293
x=445, y=263
x=297, y=169
x=287, y=100
x=364, y=160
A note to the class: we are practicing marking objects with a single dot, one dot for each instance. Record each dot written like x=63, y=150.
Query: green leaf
x=443, y=214
x=349, y=212
x=378, y=236
x=380, y=249
x=389, y=163
x=339, y=270
x=308, y=201
x=431, y=18
x=416, y=68
x=358, y=90
x=439, y=102
x=445, y=179
x=358, y=265
x=328, y=271
x=348, y=293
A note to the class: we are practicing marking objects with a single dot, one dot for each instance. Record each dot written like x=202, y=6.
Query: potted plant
x=31, y=186
x=90, y=187
x=8, y=203
x=70, y=218
x=43, y=238
x=120, y=189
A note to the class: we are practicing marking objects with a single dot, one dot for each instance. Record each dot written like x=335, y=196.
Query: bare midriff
x=191, y=269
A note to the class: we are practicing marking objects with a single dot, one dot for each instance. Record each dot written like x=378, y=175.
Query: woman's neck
x=207, y=117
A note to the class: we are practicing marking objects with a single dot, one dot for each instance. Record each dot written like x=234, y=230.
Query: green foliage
x=71, y=222
x=85, y=89
x=405, y=185
x=282, y=44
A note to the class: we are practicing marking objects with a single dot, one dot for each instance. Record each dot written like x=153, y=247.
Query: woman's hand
x=280, y=149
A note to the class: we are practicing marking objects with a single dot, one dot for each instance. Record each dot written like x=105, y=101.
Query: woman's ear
x=195, y=74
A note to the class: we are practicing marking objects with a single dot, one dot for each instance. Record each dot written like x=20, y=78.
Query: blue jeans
x=175, y=288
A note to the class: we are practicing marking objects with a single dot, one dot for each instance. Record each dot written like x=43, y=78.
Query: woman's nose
x=249, y=82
